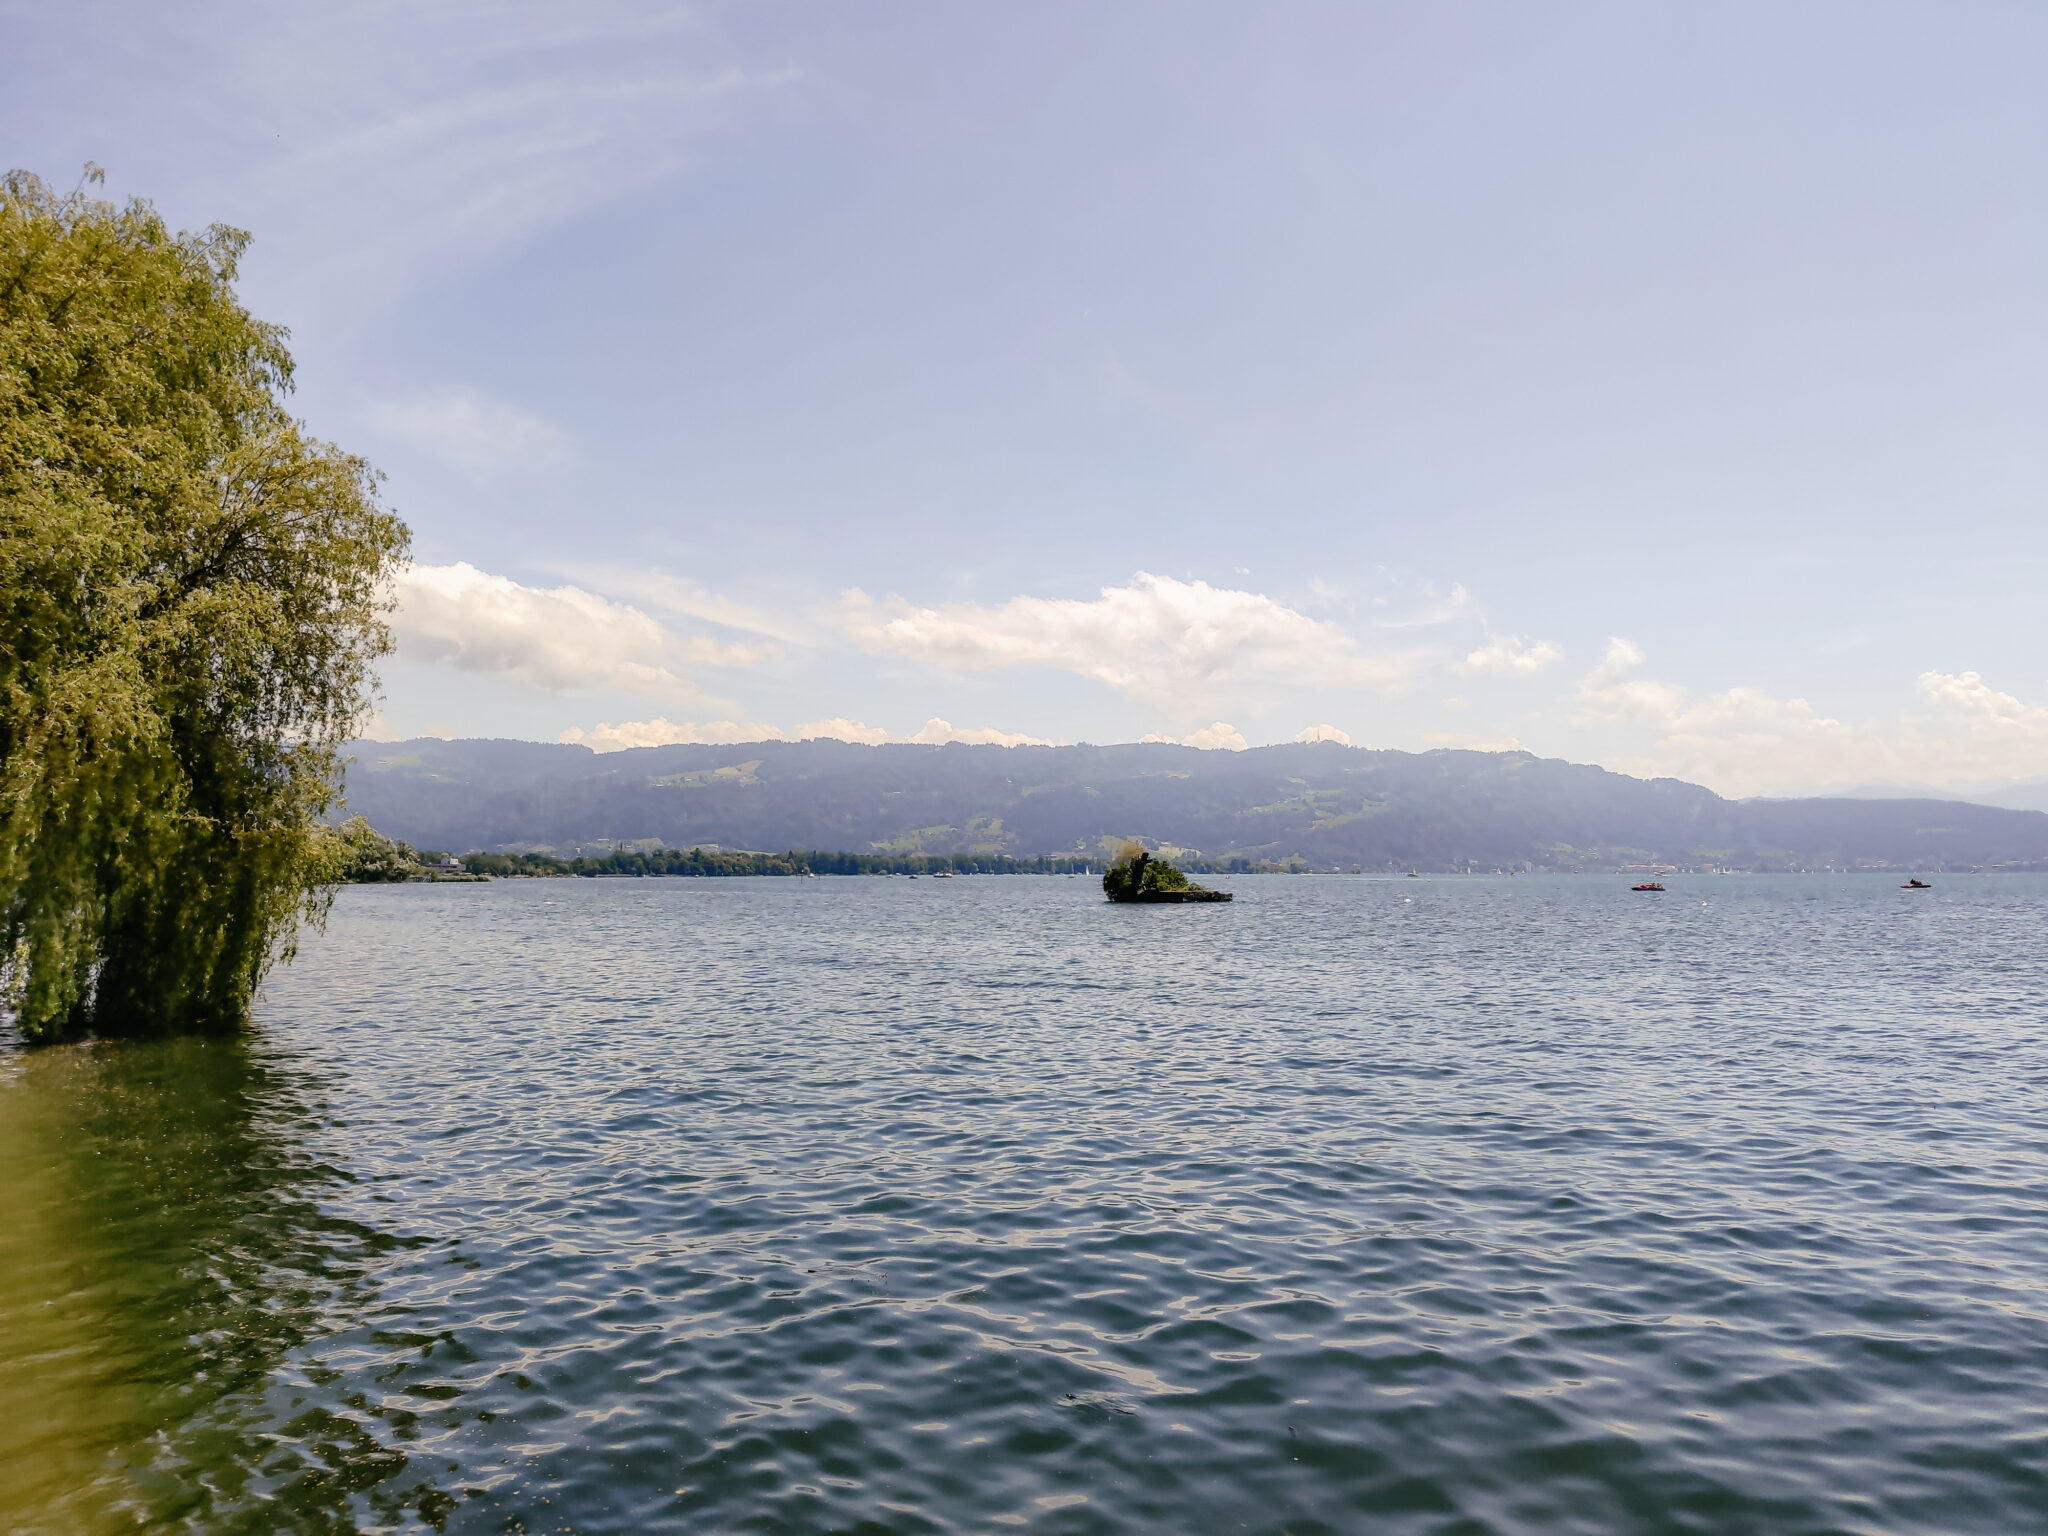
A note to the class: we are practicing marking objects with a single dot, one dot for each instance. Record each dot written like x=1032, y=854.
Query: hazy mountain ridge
x=1327, y=804
x=2015, y=795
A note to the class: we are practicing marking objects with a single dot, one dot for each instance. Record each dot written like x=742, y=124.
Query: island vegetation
x=1136, y=875
x=191, y=600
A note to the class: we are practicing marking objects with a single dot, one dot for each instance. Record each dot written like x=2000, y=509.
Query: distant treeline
x=697, y=861
x=358, y=854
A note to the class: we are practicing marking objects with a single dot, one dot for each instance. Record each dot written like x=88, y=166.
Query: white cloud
x=1745, y=742
x=472, y=430
x=839, y=728
x=1156, y=638
x=1323, y=733
x=936, y=732
x=1465, y=742
x=1991, y=716
x=1218, y=737
x=660, y=732
x=555, y=637
x=1509, y=656
x=1210, y=738
x=1608, y=692
x=375, y=727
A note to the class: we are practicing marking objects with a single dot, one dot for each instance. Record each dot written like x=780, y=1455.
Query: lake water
x=1400, y=1206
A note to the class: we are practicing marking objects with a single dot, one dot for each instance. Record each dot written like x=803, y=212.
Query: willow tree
x=191, y=599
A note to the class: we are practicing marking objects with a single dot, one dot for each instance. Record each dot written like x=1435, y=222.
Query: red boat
x=1647, y=885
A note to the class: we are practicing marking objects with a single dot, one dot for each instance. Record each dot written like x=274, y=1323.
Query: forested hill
x=1328, y=805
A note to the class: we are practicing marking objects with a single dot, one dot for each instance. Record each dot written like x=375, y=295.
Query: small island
x=1137, y=876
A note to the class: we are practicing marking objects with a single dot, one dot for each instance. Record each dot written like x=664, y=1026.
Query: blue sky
x=1655, y=385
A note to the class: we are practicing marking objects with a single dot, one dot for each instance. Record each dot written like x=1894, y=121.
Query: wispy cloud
x=557, y=638
x=1426, y=607
x=1744, y=741
x=472, y=430
x=438, y=135
x=1155, y=638
x=685, y=598
x=1510, y=656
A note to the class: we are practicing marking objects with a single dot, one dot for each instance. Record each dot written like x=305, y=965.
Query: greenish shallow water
x=977, y=1205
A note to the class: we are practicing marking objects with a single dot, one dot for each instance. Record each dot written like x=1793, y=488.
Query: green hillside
x=1322, y=804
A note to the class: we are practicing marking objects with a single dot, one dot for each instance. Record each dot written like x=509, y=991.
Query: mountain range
x=2012, y=794
x=1317, y=804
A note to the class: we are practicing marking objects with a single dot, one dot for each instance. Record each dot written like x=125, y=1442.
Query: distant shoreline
x=680, y=864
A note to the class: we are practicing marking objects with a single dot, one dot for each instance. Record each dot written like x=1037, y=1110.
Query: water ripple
x=1413, y=1206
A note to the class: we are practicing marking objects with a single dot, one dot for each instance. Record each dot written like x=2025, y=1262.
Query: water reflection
x=165, y=1262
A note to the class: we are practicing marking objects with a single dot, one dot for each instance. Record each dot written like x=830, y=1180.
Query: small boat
x=942, y=874
x=1647, y=885
x=1917, y=884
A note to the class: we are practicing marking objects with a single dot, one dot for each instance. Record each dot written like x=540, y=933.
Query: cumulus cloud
x=934, y=732
x=1210, y=738
x=1744, y=741
x=839, y=728
x=553, y=637
x=1509, y=656
x=375, y=727
x=937, y=732
x=1218, y=737
x=1155, y=638
x=1323, y=733
x=472, y=430
x=661, y=732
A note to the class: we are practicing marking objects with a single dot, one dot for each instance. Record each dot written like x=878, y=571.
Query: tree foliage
x=1135, y=875
x=191, y=597
x=366, y=856
x=661, y=862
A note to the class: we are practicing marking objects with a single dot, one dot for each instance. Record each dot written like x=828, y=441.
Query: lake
x=1452, y=1205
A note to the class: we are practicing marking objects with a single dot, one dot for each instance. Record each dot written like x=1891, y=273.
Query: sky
x=1655, y=385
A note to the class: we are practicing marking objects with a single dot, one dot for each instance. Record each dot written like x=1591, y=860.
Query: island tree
x=192, y=594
